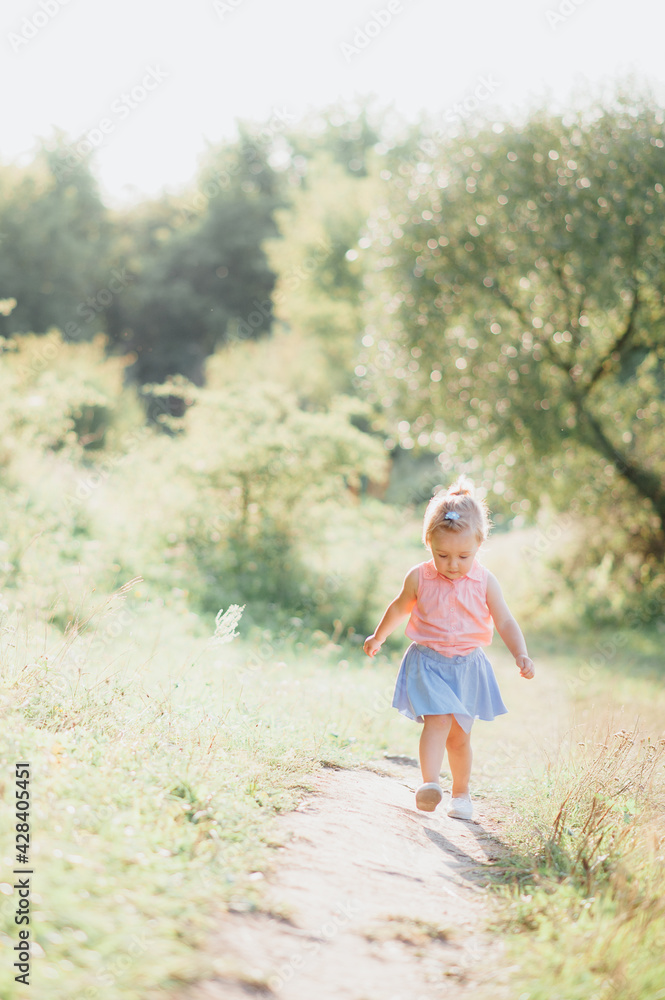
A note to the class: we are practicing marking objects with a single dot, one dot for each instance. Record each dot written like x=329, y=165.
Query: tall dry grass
x=585, y=883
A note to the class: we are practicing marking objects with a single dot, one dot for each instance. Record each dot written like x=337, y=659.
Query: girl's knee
x=458, y=739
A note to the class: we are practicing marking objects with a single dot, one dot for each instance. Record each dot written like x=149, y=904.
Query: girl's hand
x=525, y=663
x=372, y=645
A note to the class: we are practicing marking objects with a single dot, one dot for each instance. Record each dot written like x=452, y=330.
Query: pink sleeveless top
x=451, y=616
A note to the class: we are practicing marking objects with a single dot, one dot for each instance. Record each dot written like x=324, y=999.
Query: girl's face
x=453, y=551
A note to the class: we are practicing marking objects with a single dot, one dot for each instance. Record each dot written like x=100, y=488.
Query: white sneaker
x=428, y=796
x=460, y=808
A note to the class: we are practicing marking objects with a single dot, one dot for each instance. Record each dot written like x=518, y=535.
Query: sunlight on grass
x=159, y=762
x=583, y=873
x=162, y=754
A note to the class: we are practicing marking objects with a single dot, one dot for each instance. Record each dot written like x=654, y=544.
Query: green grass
x=160, y=762
x=158, y=767
x=582, y=882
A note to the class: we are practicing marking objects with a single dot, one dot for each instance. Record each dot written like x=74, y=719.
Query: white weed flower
x=225, y=624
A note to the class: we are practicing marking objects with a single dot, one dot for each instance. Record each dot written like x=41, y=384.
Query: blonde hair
x=460, y=501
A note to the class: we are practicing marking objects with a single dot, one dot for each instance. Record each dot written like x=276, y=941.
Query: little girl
x=445, y=680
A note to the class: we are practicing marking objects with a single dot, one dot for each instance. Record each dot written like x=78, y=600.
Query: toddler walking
x=445, y=680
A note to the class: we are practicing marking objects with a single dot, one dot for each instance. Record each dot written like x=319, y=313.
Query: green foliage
x=199, y=272
x=59, y=395
x=347, y=133
x=234, y=505
x=55, y=245
x=495, y=299
x=66, y=424
x=257, y=469
x=585, y=883
x=130, y=858
x=317, y=291
x=167, y=281
x=521, y=271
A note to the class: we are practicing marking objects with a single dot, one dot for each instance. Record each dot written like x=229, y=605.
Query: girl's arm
x=396, y=612
x=507, y=627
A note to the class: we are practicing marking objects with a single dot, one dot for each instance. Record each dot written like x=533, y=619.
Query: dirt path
x=385, y=902
x=382, y=902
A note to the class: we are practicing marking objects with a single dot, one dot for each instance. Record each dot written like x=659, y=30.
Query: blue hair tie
x=451, y=515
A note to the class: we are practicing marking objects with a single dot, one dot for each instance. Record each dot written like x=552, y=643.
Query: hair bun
x=461, y=487
x=457, y=509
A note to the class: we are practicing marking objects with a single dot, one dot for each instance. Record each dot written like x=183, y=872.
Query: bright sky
x=159, y=79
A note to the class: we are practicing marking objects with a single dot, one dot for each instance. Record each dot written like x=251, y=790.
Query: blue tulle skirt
x=429, y=683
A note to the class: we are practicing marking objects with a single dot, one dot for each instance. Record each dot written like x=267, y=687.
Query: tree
x=259, y=482
x=346, y=132
x=200, y=276
x=521, y=283
x=54, y=245
x=317, y=294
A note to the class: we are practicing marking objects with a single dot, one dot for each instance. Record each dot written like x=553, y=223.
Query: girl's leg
x=432, y=745
x=460, y=756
